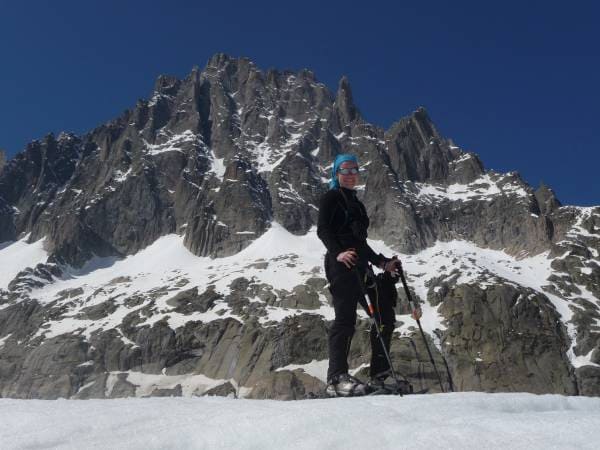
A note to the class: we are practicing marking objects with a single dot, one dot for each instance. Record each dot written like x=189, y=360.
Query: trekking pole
x=412, y=304
x=371, y=314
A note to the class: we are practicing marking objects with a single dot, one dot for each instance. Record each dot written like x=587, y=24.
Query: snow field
x=485, y=187
x=16, y=256
x=439, y=421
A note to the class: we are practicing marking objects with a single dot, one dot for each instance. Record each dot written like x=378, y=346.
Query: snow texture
x=486, y=187
x=439, y=421
x=16, y=256
x=174, y=143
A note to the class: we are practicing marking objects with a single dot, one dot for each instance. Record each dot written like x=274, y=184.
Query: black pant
x=347, y=293
x=385, y=316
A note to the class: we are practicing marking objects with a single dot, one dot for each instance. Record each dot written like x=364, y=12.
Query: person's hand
x=417, y=313
x=394, y=266
x=348, y=258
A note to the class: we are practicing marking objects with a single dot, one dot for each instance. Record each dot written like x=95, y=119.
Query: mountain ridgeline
x=234, y=138
x=221, y=155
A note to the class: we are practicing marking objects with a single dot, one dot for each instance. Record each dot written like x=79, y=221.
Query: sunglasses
x=350, y=171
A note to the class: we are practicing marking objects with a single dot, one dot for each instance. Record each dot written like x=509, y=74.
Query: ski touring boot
x=345, y=385
x=377, y=382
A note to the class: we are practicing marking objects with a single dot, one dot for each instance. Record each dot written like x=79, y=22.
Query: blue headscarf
x=339, y=159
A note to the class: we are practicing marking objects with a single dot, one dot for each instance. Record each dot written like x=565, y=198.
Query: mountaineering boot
x=377, y=381
x=345, y=385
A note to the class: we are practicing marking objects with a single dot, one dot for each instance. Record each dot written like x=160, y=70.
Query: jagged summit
x=225, y=138
x=220, y=139
x=178, y=241
x=344, y=103
x=546, y=198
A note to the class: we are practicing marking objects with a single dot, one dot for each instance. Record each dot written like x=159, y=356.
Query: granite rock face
x=232, y=136
x=504, y=339
x=225, y=156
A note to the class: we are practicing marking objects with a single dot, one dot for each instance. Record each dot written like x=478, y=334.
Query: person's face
x=348, y=180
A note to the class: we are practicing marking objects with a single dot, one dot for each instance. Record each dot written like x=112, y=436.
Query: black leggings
x=347, y=294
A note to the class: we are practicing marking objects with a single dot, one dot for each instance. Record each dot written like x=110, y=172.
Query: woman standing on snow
x=342, y=227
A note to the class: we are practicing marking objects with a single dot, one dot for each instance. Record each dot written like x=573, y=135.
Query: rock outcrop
x=218, y=158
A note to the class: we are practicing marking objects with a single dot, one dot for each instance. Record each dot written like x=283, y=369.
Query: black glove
x=392, y=265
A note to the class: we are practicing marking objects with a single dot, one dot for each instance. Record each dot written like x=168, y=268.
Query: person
x=342, y=227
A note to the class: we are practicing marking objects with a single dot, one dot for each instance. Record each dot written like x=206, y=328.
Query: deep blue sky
x=516, y=82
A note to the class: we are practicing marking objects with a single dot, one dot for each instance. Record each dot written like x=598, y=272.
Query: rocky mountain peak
x=232, y=161
x=344, y=103
x=546, y=198
x=419, y=123
x=65, y=136
x=219, y=60
x=227, y=138
x=166, y=85
x=425, y=124
x=2, y=159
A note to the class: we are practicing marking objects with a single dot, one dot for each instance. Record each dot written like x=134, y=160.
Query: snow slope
x=16, y=256
x=277, y=258
x=440, y=421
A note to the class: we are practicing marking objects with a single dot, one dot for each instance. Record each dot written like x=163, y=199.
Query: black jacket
x=343, y=224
